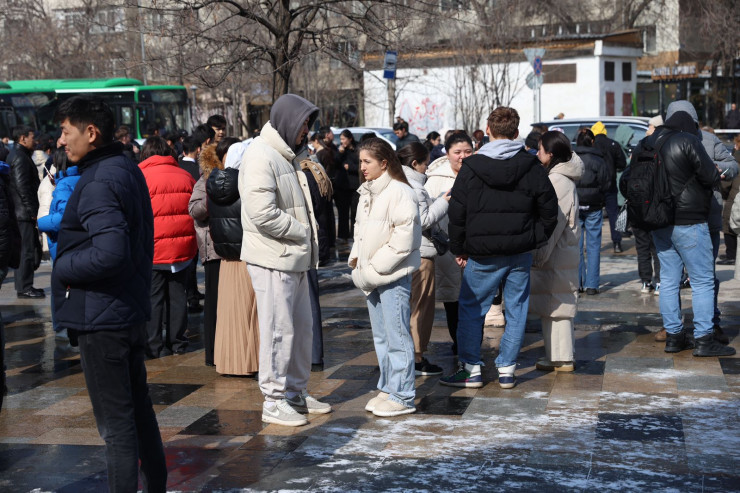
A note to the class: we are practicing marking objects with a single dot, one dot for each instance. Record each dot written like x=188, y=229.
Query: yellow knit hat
x=598, y=128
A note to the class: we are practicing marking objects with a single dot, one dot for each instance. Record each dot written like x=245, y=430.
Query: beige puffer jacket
x=387, y=234
x=447, y=274
x=277, y=214
x=554, y=275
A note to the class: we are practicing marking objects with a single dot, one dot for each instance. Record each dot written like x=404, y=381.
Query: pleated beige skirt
x=237, y=344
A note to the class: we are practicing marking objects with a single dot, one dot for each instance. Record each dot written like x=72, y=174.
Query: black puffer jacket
x=501, y=207
x=24, y=184
x=9, y=234
x=596, y=179
x=225, y=210
x=691, y=172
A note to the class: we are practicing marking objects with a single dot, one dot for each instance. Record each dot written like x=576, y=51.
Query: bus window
x=127, y=115
x=165, y=109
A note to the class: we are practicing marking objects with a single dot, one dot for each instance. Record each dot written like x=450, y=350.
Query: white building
x=582, y=77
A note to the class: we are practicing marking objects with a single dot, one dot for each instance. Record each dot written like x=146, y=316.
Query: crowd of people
x=494, y=226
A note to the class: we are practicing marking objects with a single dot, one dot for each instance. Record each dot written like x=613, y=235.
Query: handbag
x=621, y=223
x=439, y=239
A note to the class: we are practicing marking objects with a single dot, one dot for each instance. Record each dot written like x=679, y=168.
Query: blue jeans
x=715, y=251
x=588, y=276
x=481, y=279
x=688, y=246
x=390, y=317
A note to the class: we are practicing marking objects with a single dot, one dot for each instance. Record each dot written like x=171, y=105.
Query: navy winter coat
x=102, y=275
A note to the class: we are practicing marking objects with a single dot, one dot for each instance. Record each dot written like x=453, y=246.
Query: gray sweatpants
x=285, y=319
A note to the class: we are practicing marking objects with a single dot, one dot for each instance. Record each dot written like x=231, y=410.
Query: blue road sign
x=537, y=65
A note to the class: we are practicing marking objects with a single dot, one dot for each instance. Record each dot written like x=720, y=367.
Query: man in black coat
x=101, y=284
x=24, y=186
x=617, y=161
x=503, y=206
x=9, y=253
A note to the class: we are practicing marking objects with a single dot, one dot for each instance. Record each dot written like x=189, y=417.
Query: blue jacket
x=65, y=184
x=101, y=279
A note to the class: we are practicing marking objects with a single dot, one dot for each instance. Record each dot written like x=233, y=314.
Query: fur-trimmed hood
x=208, y=160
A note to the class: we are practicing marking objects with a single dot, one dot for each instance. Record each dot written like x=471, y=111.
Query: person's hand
x=462, y=260
x=346, y=166
x=447, y=195
x=341, y=148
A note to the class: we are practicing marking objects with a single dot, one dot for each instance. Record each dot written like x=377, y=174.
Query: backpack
x=650, y=203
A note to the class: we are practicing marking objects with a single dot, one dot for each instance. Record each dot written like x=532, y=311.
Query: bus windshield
x=165, y=110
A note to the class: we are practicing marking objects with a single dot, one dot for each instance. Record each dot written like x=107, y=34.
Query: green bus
x=142, y=108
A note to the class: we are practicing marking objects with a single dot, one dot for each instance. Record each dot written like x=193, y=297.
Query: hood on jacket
x=683, y=122
x=223, y=186
x=682, y=105
x=501, y=149
x=598, y=128
x=441, y=167
x=70, y=171
x=623, y=135
x=572, y=168
x=208, y=160
x=413, y=175
x=235, y=153
x=502, y=174
x=152, y=161
x=288, y=114
x=656, y=121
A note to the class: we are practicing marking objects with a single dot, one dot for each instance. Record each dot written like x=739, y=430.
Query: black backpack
x=650, y=203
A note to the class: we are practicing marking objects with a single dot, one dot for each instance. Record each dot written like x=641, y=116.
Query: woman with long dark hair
x=383, y=257
x=554, y=274
x=415, y=158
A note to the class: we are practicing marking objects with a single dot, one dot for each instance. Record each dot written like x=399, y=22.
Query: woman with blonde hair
x=236, y=348
x=384, y=256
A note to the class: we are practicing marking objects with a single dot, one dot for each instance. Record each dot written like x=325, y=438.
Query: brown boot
x=660, y=336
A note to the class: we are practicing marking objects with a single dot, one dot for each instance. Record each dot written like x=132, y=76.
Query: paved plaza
x=631, y=417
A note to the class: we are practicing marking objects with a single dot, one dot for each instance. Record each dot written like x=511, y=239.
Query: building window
x=608, y=70
x=649, y=40
x=626, y=71
x=609, y=104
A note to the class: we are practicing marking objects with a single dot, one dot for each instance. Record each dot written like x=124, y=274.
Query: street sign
x=389, y=64
x=537, y=65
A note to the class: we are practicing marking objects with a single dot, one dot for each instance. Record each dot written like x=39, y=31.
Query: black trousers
x=192, y=284
x=730, y=245
x=343, y=201
x=210, y=305
x=169, y=311
x=24, y=272
x=646, y=255
x=115, y=375
x=612, y=209
x=317, y=349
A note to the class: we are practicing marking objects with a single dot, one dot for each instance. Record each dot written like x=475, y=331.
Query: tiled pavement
x=631, y=418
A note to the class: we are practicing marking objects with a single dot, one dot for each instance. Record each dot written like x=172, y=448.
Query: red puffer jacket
x=170, y=188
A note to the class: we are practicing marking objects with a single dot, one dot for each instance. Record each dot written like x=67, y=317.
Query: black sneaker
x=719, y=335
x=726, y=261
x=425, y=368
x=675, y=343
x=592, y=291
x=618, y=247
x=709, y=346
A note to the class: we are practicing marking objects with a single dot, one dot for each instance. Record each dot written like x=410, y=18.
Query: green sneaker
x=467, y=376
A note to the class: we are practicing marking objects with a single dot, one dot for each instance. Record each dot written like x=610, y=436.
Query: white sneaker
x=370, y=407
x=282, y=414
x=657, y=290
x=389, y=408
x=304, y=403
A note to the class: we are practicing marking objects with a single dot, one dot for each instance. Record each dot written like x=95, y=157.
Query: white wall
x=426, y=96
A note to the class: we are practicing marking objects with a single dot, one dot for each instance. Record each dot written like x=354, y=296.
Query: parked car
x=357, y=132
x=570, y=127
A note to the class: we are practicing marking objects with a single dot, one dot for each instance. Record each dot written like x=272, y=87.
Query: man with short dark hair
x=24, y=186
x=503, y=207
x=218, y=124
x=401, y=129
x=204, y=135
x=101, y=285
x=123, y=135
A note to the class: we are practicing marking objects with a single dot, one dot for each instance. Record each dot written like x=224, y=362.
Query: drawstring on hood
x=501, y=149
x=287, y=116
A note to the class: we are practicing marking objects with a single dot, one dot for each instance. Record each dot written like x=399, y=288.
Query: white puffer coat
x=735, y=226
x=277, y=214
x=554, y=275
x=447, y=274
x=387, y=234
x=430, y=211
